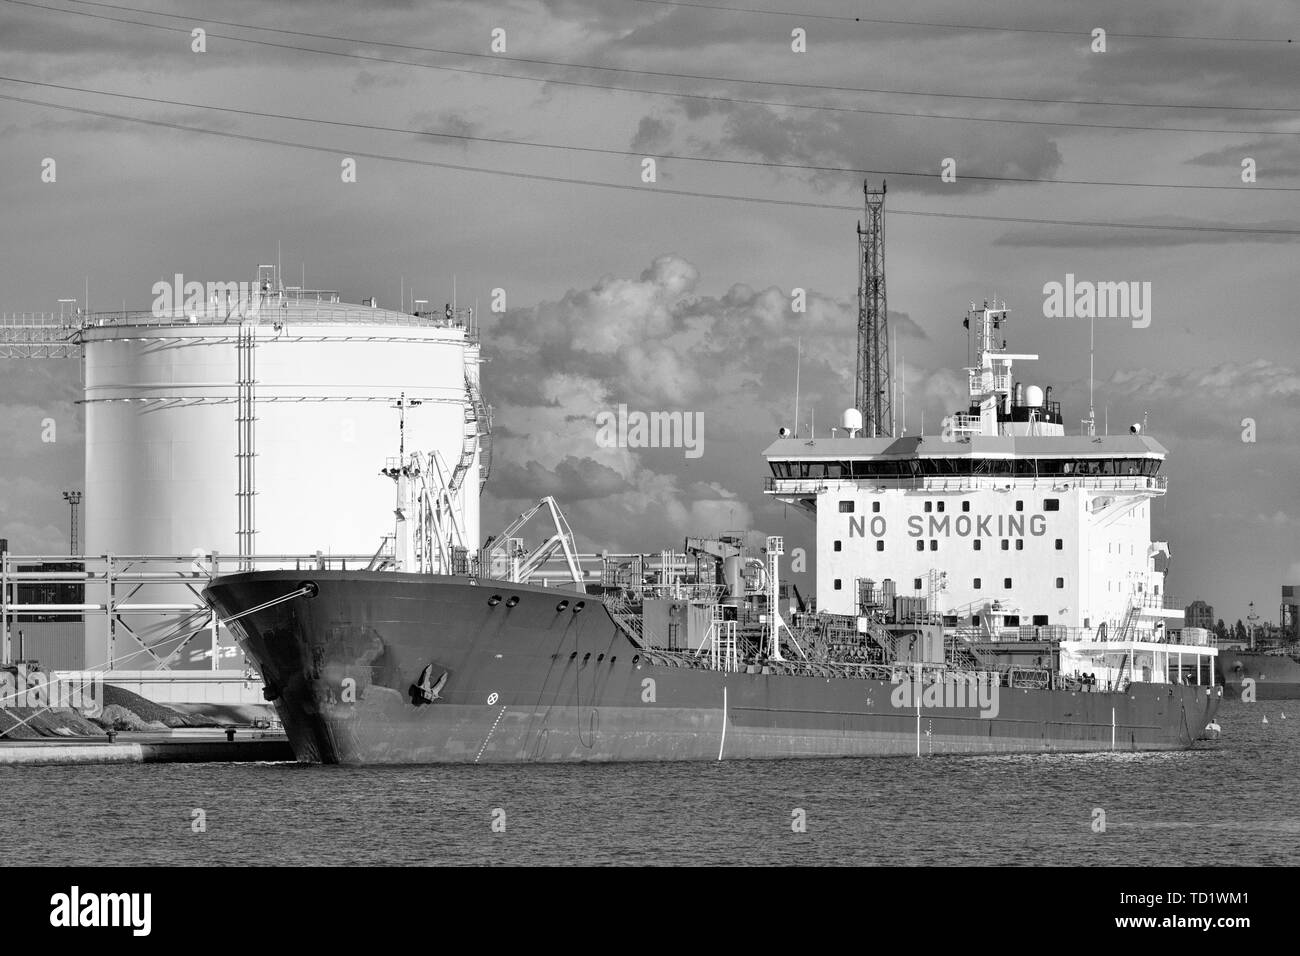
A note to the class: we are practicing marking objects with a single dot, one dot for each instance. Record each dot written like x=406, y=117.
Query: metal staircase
x=1121, y=681
x=1128, y=626
x=887, y=641
x=960, y=655
x=483, y=429
x=475, y=438
x=626, y=617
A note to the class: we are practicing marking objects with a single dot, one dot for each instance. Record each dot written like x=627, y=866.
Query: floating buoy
x=1265, y=720
x=1212, y=726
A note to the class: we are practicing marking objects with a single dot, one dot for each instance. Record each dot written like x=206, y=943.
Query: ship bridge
x=802, y=469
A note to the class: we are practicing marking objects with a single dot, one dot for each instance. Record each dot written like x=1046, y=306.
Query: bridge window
x=839, y=584
x=1060, y=582
x=965, y=506
x=1006, y=545
x=880, y=546
x=920, y=546
x=1020, y=505
x=875, y=506
x=1006, y=583
x=977, y=584
x=940, y=506
x=1051, y=504
x=916, y=584
x=929, y=506
x=846, y=507
x=976, y=542
x=1020, y=544
x=1060, y=545
x=1040, y=620
x=839, y=545
x=934, y=544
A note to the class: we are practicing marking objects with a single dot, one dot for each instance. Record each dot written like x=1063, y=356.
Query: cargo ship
x=992, y=589
x=1264, y=675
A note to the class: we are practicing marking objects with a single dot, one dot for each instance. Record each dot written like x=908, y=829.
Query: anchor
x=425, y=690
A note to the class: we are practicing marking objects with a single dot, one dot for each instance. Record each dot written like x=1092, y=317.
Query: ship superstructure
x=1013, y=532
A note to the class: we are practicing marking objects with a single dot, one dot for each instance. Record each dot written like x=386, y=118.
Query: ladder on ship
x=627, y=618
x=1129, y=624
x=1120, y=683
x=886, y=640
x=960, y=654
x=722, y=641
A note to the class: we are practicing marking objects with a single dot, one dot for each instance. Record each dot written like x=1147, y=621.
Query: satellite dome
x=1034, y=396
x=852, y=419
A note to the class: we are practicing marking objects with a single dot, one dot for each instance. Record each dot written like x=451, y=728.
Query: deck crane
x=520, y=564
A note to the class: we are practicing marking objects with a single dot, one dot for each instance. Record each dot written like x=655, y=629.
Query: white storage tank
x=168, y=397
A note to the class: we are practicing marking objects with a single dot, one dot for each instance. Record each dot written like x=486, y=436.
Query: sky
x=481, y=166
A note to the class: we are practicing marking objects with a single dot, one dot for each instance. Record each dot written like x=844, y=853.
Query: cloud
x=572, y=479
x=654, y=343
x=1231, y=383
x=1111, y=237
x=652, y=134
x=1278, y=519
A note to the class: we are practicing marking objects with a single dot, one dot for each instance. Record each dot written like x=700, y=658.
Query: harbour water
x=1230, y=803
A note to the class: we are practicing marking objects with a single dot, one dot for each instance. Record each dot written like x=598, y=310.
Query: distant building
x=1290, y=612
x=56, y=641
x=1199, y=614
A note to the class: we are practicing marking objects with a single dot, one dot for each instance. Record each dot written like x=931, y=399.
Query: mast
x=872, y=387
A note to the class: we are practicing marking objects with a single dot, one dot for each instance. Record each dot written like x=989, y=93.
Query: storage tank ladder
x=246, y=443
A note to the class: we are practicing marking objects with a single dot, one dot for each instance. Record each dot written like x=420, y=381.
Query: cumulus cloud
x=655, y=344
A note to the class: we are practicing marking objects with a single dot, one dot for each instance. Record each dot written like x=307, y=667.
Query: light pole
x=73, y=498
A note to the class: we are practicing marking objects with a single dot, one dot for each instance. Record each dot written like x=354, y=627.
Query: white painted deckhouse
x=1011, y=529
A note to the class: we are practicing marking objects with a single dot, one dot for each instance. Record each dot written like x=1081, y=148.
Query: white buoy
x=1213, y=727
x=1265, y=720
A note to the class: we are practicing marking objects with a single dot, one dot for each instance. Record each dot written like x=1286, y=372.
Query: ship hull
x=401, y=668
x=1274, y=676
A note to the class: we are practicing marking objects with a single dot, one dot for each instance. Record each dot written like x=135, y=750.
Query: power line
x=717, y=98
x=541, y=177
x=946, y=26
x=820, y=87
x=804, y=167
